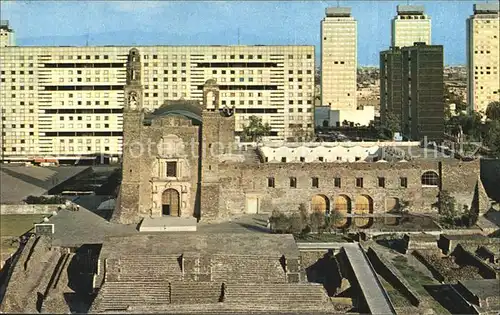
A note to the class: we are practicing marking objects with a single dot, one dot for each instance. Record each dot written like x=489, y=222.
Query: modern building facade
x=7, y=36
x=338, y=66
x=67, y=102
x=483, y=56
x=423, y=92
x=390, y=83
x=410, y=25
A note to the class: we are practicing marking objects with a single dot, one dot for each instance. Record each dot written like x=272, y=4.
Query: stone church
x=182, y=160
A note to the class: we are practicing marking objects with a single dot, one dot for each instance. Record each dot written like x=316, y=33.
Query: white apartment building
x=338, y=68
x=410, y=25
x=7, y=36
x=483, y=56
x=67, y=102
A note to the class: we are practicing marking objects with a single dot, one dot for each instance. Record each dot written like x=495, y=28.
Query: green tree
x=493, y=111
x=255, y=130
x=447, y=208
x=317, y=221
x=333, y=219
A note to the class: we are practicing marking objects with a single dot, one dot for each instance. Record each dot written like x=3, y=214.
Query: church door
x=170, y=202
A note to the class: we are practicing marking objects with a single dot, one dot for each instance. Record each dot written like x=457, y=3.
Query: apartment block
x=67, y=102
x=390, y=83
x=423, y=92
x=483, y=56
x=410, y=25
x=339, y=64
x=7, y=36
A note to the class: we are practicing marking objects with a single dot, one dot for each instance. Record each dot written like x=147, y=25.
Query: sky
x=224, y=23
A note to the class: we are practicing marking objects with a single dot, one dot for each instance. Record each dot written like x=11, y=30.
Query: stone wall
x=239, y=180
x=393, y=276
x=28, y=209
x=468, y=258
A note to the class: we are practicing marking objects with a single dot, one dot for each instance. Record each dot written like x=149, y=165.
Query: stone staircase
x=149, y=268
x=247, y=269
x=278, y=296
x=118, y=296
x=195, y=292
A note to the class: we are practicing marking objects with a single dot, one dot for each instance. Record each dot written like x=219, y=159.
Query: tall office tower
x=339, y=64
x=410, y=25
x=7, y=37
x=483, y=57
x=423, y=92
x=390, y=83
x=67, y=102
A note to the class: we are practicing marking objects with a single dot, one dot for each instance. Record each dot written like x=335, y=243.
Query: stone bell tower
x=127, y=205
x=217, y=139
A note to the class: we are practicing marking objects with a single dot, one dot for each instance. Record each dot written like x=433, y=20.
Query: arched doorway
x=342, y=204
x=320, y=203
x=363, y=205
x=170, y=202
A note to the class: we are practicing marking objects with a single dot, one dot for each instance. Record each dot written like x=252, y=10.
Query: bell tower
x=133, y=87
x=217, y=139
x=127, y=209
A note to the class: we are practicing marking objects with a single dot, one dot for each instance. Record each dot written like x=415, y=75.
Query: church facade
x=182, y=160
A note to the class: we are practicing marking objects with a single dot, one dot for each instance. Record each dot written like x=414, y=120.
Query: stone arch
x=170, y=200
x=363, y=205
x=320, y=203
x=430, y=178
x=342, y=204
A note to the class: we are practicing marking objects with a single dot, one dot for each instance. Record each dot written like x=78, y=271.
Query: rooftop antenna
x=87, y=40
x=338, y=4
x=238, y=35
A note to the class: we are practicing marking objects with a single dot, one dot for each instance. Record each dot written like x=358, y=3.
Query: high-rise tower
x=411, y=25
x=7, y=37
x=338, y=61
x=483, y=57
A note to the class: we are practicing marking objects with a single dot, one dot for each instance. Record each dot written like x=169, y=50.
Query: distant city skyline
x=59, y=23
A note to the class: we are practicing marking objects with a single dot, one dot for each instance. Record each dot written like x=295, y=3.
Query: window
x=171, y=169
x=381, y=182
x=315, y=182
x=430, y=178
x=270, y=182
x=293, y=182
x=403, y=182
x=337, y=182
x=359, y=182
x=283, y=160
x=320, y=159
x=302, y=159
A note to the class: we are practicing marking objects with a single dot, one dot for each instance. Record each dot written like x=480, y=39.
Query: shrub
x=42, y=200
x=317, y=221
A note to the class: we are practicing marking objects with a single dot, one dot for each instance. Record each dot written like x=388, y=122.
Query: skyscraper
x=410, y=25
x=339, y=63
x=483, y=57
x=422, y=92
x=390, y=83
x=7, y=37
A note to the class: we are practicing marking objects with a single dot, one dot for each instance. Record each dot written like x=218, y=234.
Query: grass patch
x=320, y=238
x=15, y=225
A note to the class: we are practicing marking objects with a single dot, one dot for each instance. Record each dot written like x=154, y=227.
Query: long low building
x=67, y=102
